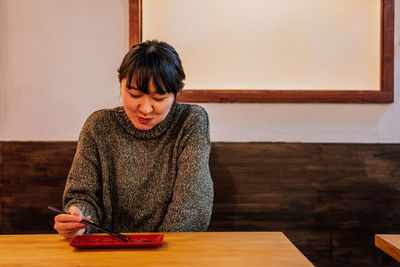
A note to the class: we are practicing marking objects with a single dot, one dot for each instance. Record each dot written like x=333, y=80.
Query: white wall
x=274, y=44
x=58, y=62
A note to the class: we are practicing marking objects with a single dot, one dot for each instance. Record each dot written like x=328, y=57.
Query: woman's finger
x=75, y=211
x=68, y=235
x=67, y=218
x=69, y=226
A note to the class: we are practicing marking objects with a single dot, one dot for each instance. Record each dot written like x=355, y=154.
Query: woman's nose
x=145, y=106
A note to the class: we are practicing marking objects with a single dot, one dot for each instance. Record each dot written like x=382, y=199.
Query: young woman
x=142, y=167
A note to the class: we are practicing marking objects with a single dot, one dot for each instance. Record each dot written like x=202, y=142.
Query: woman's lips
x=144, y=120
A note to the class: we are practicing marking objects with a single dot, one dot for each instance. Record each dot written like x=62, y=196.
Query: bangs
x=140, y=76
x=152, y=63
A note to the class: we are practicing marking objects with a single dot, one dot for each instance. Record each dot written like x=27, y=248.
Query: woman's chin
x=142, y=127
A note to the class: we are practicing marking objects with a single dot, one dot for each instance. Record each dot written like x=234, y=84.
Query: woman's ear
x=183, y=85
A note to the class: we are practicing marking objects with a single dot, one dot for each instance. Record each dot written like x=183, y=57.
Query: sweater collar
x=154, y=132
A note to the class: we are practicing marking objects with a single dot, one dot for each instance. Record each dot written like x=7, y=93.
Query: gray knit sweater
x=131, y=180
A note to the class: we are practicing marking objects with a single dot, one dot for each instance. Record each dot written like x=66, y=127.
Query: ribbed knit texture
x=131, y=180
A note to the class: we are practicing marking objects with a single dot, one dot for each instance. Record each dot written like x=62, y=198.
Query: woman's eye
x=159, y=99
x=134, y=96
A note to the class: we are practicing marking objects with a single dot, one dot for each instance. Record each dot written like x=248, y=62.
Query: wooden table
x=179, y=249
x=390, y=244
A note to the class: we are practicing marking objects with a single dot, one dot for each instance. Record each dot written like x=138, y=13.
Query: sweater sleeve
x=192, y=200
x=83, y=186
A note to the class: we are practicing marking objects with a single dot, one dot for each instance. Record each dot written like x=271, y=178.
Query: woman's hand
x=68, y=225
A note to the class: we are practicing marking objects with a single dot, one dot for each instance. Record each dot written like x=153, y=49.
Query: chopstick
x=117, y=235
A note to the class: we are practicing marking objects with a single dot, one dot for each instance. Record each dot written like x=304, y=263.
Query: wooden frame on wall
x=384, y=95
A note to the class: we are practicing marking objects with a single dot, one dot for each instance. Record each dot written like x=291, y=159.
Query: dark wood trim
x=284, y=96
x=135, y=22
x=387, y=47
x=384, y=95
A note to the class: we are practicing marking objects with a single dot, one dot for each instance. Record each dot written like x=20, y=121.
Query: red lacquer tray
x=107, y=241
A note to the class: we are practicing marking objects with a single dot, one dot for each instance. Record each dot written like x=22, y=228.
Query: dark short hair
x=153, y=61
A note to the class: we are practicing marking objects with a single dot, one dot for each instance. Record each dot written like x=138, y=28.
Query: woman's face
x=145, y=110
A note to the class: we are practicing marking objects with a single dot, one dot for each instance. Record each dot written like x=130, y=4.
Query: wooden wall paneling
x=32, y=177
x=329, y=199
